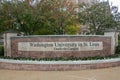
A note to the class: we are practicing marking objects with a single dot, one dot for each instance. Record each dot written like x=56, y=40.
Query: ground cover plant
x=63, y=59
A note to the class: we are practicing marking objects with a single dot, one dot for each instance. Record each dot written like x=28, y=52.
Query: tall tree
x=59, y=14
x=97, y=16
x=46, y=17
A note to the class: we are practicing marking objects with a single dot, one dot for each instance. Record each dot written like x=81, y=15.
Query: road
x=97, y=74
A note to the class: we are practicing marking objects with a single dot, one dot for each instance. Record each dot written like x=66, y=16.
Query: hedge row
x=1, y=50
x=64, y=59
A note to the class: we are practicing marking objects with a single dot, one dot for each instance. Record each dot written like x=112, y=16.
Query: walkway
x=97, y=74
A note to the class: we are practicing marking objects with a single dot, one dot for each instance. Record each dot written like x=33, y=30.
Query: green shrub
x=119, y=39
x=1, y=50
x=117, y=49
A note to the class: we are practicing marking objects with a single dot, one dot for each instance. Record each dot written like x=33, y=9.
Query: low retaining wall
x=57, y=65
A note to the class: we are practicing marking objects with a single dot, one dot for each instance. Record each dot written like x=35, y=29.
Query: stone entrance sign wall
x=60, y=46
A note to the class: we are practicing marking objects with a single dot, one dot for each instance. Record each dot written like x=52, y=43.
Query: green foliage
x=47, y=17
x=1, y=50
x=72, y=29
x=64, y=58
x=117, y=49
x=118, y=39
x=44, y=31
x=97, y=17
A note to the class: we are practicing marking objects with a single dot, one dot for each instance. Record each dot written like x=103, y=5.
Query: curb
x=58, y=65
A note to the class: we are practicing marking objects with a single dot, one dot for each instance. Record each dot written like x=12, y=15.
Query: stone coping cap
x=47, y=36
x=60, y=62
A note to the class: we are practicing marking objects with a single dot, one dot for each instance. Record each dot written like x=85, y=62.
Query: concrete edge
x=60, y=62
x=60, y=36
